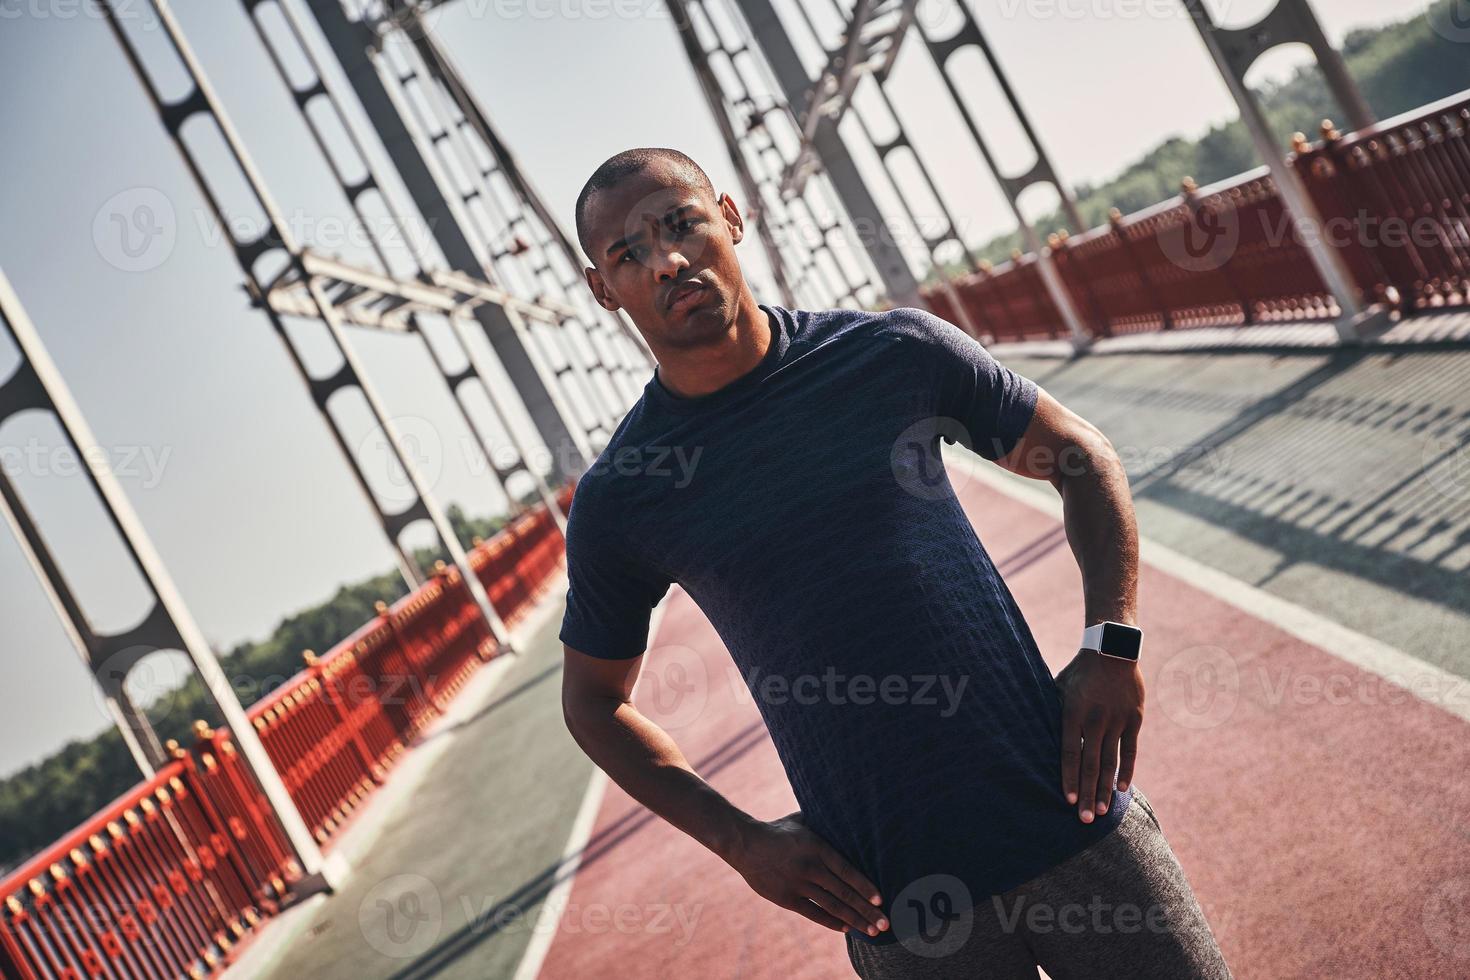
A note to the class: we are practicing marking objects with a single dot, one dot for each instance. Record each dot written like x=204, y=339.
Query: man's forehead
x=636, y=200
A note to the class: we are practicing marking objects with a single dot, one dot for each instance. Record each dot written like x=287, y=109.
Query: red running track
x=1319, y=812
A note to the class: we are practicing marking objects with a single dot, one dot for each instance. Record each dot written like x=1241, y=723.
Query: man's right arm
x=782, y=860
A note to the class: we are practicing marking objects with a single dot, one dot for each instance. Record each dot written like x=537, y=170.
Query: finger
x=1071, y=753
x=1109, y=766
x=830, y=904
x=1092, y=737
x=1128, y=749
x=868, y=913
x=854, y=878
x=802, y=906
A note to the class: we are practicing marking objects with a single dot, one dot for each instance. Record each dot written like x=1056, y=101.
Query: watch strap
x=1094, y=638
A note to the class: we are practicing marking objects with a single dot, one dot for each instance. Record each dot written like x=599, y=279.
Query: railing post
x=1119, y=230
x=1232, y=60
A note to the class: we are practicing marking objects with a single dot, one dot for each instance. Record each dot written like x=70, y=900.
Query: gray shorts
x=1120, y=908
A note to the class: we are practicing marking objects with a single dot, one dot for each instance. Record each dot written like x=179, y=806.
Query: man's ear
x=599, y=290
x=732, y=218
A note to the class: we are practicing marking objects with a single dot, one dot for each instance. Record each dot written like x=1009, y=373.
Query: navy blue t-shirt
x=806, y=510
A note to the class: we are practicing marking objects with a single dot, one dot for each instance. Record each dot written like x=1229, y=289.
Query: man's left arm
x=1102, y=697
x=1014, y=422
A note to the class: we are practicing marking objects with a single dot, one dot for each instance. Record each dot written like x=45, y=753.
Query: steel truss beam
x=932, y=242
x=871, y=41
x=1234, y=50
x=373, y=299
x=352, y=44
x=168, y=625
x=746, y=102
x=455, y=165
x=785, y=64
x=867, y=48
x=278, y=239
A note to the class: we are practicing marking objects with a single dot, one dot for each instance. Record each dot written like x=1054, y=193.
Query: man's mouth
x=684, y=296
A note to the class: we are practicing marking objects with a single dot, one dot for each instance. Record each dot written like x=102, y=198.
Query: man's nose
x=667, y=262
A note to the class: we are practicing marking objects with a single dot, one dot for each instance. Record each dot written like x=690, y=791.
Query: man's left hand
x=1102, y=711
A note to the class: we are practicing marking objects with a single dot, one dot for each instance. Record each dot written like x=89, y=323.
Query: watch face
x=1119, y=640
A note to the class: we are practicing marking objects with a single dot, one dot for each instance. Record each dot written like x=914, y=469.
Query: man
x=814, y=525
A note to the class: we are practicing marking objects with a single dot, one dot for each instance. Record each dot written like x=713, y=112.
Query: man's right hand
x=789, y=864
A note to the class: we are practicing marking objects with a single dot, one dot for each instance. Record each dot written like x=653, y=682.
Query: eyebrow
x=629, y=239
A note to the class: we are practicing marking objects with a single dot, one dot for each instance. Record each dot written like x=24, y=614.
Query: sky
x=219, y=449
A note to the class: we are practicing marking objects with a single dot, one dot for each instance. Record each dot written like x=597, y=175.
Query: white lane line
x=277, y=936
x=1423, y=680
x=545, y=928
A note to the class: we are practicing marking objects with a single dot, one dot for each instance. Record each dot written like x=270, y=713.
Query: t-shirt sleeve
x=991, y=401
x=610, y=592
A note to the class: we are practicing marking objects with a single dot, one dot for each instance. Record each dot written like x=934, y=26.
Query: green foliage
x=1398, y=67
x=45, y=800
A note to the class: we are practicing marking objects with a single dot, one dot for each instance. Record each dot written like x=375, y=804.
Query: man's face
x=665, y=253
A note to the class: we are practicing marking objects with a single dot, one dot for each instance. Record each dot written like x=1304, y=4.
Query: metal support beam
x=1233, y=52
x=169, y=624
x=95, y=650
x=887, y=258
x=378, y=300
x=1289, y=22
x=352, y=43
x=440, y=62
x=201, y=100
x=755, y=210
x=1012, y=186
x=870, y=44
x=826, y=269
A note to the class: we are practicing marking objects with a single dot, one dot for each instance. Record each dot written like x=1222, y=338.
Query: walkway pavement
x=1313, y=805
x=1307, y=524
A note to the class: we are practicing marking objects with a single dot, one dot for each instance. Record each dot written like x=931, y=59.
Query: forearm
x=644, y=760
x=1097, y=510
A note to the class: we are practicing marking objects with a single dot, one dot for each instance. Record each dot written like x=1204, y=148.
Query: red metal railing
x=1394, y=199
x=165, y=880
x=154, y=885
x=1404, y=185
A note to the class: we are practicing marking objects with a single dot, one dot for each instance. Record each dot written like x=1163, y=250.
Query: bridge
x=1280, y=356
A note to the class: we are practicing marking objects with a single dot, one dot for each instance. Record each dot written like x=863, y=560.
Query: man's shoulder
x=631, y=436
x=899, y=323
x=906, y=329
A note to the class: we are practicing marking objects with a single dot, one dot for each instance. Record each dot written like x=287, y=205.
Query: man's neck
x=700, y=371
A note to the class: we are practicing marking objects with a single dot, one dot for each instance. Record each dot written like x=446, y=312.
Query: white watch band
x=1092, y=638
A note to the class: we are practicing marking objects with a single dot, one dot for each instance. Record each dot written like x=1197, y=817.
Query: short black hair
x=615, y=168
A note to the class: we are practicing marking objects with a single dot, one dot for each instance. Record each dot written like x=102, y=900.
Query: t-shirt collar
x=779, y=320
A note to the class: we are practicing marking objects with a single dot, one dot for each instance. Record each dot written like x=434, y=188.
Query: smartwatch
x=1113, y=640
